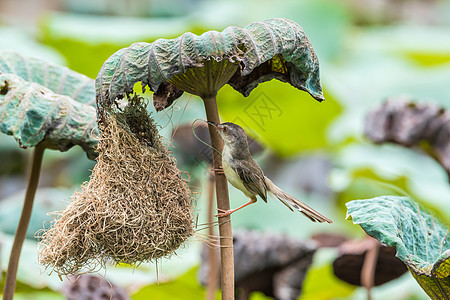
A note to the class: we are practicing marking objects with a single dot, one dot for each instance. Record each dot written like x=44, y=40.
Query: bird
x=244, y=173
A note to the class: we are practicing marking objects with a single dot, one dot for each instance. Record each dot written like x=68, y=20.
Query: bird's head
x=232, y=134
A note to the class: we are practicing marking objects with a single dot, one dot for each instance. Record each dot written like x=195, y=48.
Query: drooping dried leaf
x=410, y=124
x=275, y=48
x=422, y=242
x=40, y=101
x=165, y=96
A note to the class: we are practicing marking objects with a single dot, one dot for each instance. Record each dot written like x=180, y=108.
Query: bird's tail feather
x=289, y=201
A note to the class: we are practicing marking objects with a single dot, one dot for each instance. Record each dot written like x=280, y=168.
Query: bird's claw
x=223, y=213
x=218, y=170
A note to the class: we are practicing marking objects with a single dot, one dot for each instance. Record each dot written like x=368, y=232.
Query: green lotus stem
x=226, y=236
x=19, y=238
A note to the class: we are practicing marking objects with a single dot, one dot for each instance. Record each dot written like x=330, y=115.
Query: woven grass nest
x=135, y=207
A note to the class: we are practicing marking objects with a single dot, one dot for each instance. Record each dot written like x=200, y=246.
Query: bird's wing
x=252, y=177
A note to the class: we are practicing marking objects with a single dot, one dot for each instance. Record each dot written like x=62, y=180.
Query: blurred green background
x=369, y=50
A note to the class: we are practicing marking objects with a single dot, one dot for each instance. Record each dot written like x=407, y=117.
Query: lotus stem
x=213, y=273
x=21, y=232
x=226, y=236
x=369, y=267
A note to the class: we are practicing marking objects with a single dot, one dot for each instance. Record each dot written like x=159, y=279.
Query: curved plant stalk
x=368, y=269
x=212, y=255
x=226, y=236
x=33, y=179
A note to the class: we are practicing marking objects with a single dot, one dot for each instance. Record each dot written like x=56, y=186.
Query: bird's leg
x=224, y=212
x=218, y=170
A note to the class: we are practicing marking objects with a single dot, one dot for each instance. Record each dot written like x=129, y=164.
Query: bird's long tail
x=289, y=201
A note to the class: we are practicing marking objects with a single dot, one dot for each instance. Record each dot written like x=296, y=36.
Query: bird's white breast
x=231, y=175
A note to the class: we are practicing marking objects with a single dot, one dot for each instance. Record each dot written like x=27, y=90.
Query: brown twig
x=19, y=238
x=368, y=269
x=212, y=255
x=226, y=236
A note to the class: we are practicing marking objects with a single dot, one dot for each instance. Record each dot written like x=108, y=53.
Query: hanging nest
x=135, y=207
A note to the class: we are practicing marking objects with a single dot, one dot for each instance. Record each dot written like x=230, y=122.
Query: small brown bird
x=246, y=175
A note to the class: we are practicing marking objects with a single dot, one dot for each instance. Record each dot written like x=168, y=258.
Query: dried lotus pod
x=93, y=288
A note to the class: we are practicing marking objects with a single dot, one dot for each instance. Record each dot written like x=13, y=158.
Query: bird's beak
x=213, y=123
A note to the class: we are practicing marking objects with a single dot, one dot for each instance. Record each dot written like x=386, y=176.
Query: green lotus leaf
x=241, y=57
x=60, y=80
x=422, y=242
x=34, y=114
x=41, y=101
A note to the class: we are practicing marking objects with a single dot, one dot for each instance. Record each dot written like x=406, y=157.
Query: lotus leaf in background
x=201, y=65
x=46, y=200
x=86, y=41
x=422, y=242
x=23, y=41
x=412, y=125
x=42, y=105
x=270, y=263
x=92, y=287
x=367, y=263
x=58, y=79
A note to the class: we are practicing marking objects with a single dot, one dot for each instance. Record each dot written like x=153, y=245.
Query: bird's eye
x=225, y=129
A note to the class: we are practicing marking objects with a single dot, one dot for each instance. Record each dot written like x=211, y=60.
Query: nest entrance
x=135, y=207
